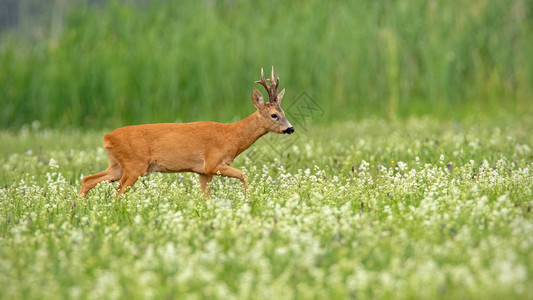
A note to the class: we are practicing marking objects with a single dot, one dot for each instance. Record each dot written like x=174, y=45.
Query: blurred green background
x=103, y=64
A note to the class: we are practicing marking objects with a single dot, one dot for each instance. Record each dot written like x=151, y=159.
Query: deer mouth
x=288, y=131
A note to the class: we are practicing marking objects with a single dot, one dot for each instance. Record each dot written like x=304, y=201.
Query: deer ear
x=257, y=99
x=280, y=96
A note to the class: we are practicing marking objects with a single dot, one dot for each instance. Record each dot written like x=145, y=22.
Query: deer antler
x=272, y=90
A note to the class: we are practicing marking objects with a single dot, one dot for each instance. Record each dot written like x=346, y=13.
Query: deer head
x=272, y=116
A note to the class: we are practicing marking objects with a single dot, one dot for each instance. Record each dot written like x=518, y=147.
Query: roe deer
x=206, y=148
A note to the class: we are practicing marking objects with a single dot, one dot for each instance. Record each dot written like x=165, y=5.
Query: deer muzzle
x=288, y=131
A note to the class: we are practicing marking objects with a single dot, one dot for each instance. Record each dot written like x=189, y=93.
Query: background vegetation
x=104, y=64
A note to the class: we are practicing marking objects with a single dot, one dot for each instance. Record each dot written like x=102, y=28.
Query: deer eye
x=274, y=116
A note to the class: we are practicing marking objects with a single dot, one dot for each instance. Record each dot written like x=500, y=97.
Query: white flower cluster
x=397, y=215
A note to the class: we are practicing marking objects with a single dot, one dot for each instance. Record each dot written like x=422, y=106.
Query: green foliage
x=162, y=61
x=403, y=210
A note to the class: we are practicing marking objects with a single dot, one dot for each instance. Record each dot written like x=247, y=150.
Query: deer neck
x=247, y=131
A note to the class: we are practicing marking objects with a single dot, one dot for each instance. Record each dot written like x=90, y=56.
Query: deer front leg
x=228, y=171
x=204, y=181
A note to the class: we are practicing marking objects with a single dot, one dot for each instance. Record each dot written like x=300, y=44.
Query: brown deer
x=206, y=148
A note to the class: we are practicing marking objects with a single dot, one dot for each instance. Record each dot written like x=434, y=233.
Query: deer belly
x=189, y=162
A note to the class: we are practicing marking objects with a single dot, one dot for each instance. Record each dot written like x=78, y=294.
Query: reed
x=106, y=65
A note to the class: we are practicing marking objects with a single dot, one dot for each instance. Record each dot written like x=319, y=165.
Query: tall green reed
x=135, y=62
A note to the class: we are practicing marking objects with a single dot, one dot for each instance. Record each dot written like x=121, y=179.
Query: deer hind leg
x=112, y=173
x=126, y=181
x=130, y=176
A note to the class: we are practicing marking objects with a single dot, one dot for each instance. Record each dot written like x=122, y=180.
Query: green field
x=410, y=175
x=366, y=210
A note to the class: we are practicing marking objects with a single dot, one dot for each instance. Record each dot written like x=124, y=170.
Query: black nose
x=289, y=130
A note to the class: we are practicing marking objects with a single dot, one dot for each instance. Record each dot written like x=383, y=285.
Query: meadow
x=415, y=209
x=409, y=175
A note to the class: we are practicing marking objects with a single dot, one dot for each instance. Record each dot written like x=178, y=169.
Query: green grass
x=435, y=202
x=418, y=209
x=131, y=62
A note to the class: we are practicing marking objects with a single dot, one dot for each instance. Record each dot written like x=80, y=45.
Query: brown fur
x=206, y=148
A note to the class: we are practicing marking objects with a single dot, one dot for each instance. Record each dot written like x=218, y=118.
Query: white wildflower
x=53, y=164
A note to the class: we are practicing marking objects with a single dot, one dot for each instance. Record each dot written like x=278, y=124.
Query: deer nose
x=288, y=130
